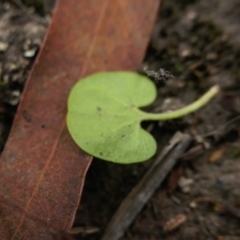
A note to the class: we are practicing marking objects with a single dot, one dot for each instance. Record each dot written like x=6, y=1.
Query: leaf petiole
x=185, y=110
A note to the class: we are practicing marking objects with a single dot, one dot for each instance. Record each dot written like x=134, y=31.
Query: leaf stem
x=185, y=110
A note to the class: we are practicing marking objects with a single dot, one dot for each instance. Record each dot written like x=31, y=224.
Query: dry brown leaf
x=216, y=155
x=42, y=171
x=174, y=222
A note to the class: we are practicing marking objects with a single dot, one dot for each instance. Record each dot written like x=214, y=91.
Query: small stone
x=185, y=53
x=185, y=50
x=186, y=189
x=12, y=67
x=171, y=104
x=3, y=46
x=14, y=97
x=185, y=184
x=30, y=53
x=191, y=15
x=193, y=205
x=211, y=56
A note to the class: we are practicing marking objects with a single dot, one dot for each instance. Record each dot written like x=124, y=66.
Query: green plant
x=104, y=116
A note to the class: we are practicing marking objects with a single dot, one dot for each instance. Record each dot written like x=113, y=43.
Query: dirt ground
x=199, y=43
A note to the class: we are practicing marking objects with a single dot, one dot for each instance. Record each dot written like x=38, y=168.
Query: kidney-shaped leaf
x=104, y=119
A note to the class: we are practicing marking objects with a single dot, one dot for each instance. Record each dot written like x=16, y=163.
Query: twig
x=139, y=196
x=219, y=131
x=36, y=18
x=193, y=152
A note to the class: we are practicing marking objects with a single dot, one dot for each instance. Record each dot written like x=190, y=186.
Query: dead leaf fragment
x=174, y=177
x=174, y=223
x=216, y=155
x=85, y=230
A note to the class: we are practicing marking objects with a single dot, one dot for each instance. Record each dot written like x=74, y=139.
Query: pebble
x=191, y=15
x=12, y=67
x=30, y=53
x=171, y=104
x=185, y=184
x=14, y=97
x=3, y=46
x=185, y=53
x=193, y=205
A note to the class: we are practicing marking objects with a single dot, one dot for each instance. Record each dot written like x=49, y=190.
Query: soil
x=198, y=42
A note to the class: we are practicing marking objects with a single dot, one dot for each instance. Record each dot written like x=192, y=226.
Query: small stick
x=222, y=128
x=142, y=192
x=34, y=17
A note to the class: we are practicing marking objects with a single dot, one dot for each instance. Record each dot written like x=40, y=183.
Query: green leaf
x=104, y=119
x=104, y=116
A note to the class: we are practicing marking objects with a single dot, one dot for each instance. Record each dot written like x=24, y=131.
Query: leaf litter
x=39, y=143
x=163, y=205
